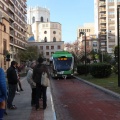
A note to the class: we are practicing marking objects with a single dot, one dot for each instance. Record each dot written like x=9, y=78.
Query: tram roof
x=62, y=53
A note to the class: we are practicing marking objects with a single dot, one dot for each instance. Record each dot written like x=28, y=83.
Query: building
x=4, y=41
x=47, y=35
x=88, y=28
x=47, y=48
x=16, y=12
x=92, y=43
x=106, y=21
x=89, y=31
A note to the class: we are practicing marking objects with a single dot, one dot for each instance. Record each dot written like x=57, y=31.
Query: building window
x=5, y=8
x=54, y=32
x=4, y=47
x=33, y=19
x=95, y=50
x=94, y=44
x=41, y=47
x=41, y=19
x=47, y=53
x=4, y=28
x=47, y=47
x=45, y=32
x=45, y=39
x=58, y=47
x=54, y=39
x=52, y=47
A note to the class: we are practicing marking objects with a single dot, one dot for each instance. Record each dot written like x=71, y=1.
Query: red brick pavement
x=75, y=100
x=37, y=115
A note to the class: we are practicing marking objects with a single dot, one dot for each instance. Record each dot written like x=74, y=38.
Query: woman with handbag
x=40, y=89
x=3, y=93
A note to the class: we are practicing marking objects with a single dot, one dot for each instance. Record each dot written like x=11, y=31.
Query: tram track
x=75, y=100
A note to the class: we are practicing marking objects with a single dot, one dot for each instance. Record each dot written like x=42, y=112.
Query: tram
x=62, y=63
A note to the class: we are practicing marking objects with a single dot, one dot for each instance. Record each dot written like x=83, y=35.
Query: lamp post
x=118, y=46
x=83, y=33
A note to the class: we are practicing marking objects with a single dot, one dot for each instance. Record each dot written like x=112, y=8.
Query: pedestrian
x=12, y=84
x=3, y=93
x=19, y=82
x=32, y=83
x=37, y=73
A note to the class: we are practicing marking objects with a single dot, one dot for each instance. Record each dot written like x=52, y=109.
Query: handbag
x=44, y=79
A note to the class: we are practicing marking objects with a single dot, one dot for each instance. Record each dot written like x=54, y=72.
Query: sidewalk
x=24, y=110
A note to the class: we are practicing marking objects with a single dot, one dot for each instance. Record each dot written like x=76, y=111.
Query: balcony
x=103, y=22
x=103, y=27
x=111, y=28
x=12, y=1
x=25, y=11
x=111, y=22
x=12, y=25
x=102, y=10
x=25, y=5
x=11, y=8
x=102, y=16
x=12, y=33
x=102, y=33
x=11, y=16
x=102, y=4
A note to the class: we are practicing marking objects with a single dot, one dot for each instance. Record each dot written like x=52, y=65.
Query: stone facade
x=46, y=35
x=4, y=42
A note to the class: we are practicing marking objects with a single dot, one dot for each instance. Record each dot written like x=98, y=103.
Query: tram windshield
x=62, y=64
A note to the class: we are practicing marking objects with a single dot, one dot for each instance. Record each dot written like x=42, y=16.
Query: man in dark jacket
x=12, y=84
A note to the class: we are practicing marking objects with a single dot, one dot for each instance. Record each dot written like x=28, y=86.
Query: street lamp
x=83, y=33
x=118, y=46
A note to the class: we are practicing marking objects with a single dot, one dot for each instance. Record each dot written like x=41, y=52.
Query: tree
x=78, y=50
x=105, y=56
x=30, y=54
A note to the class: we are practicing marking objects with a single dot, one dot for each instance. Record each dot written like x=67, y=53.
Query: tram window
x=62, y=58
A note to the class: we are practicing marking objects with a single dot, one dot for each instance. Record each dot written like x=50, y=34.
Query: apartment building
x=92, y=43
x=106, y=23
x=16, y=11
x=47, y=35
x=4, y=40
x=88, y=28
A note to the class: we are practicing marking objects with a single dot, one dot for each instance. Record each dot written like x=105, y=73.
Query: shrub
x=115, y=68
x=100, y=70
x=81, y=69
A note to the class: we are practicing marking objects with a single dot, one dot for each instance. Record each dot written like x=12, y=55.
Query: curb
x=114, y=94
x=49, y=113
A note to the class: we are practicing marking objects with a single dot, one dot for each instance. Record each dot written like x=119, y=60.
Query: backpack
x=44, y=79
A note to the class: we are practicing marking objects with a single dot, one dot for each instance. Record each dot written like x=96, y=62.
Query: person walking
x=12, y=84
x=32, y=83
x=3, y=93
x=37, y=74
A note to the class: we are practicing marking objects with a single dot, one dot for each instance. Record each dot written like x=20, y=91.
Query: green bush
x=81, y=69
x=100, y=70
x=115, y=68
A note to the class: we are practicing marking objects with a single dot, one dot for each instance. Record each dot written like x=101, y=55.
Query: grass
x=110, y=83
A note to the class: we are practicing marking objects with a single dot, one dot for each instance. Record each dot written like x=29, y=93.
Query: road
x=76, y=100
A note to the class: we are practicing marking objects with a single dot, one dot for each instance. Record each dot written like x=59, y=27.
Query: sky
x=69, y=13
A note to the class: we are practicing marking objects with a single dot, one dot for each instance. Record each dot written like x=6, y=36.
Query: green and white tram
x=62, y=64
